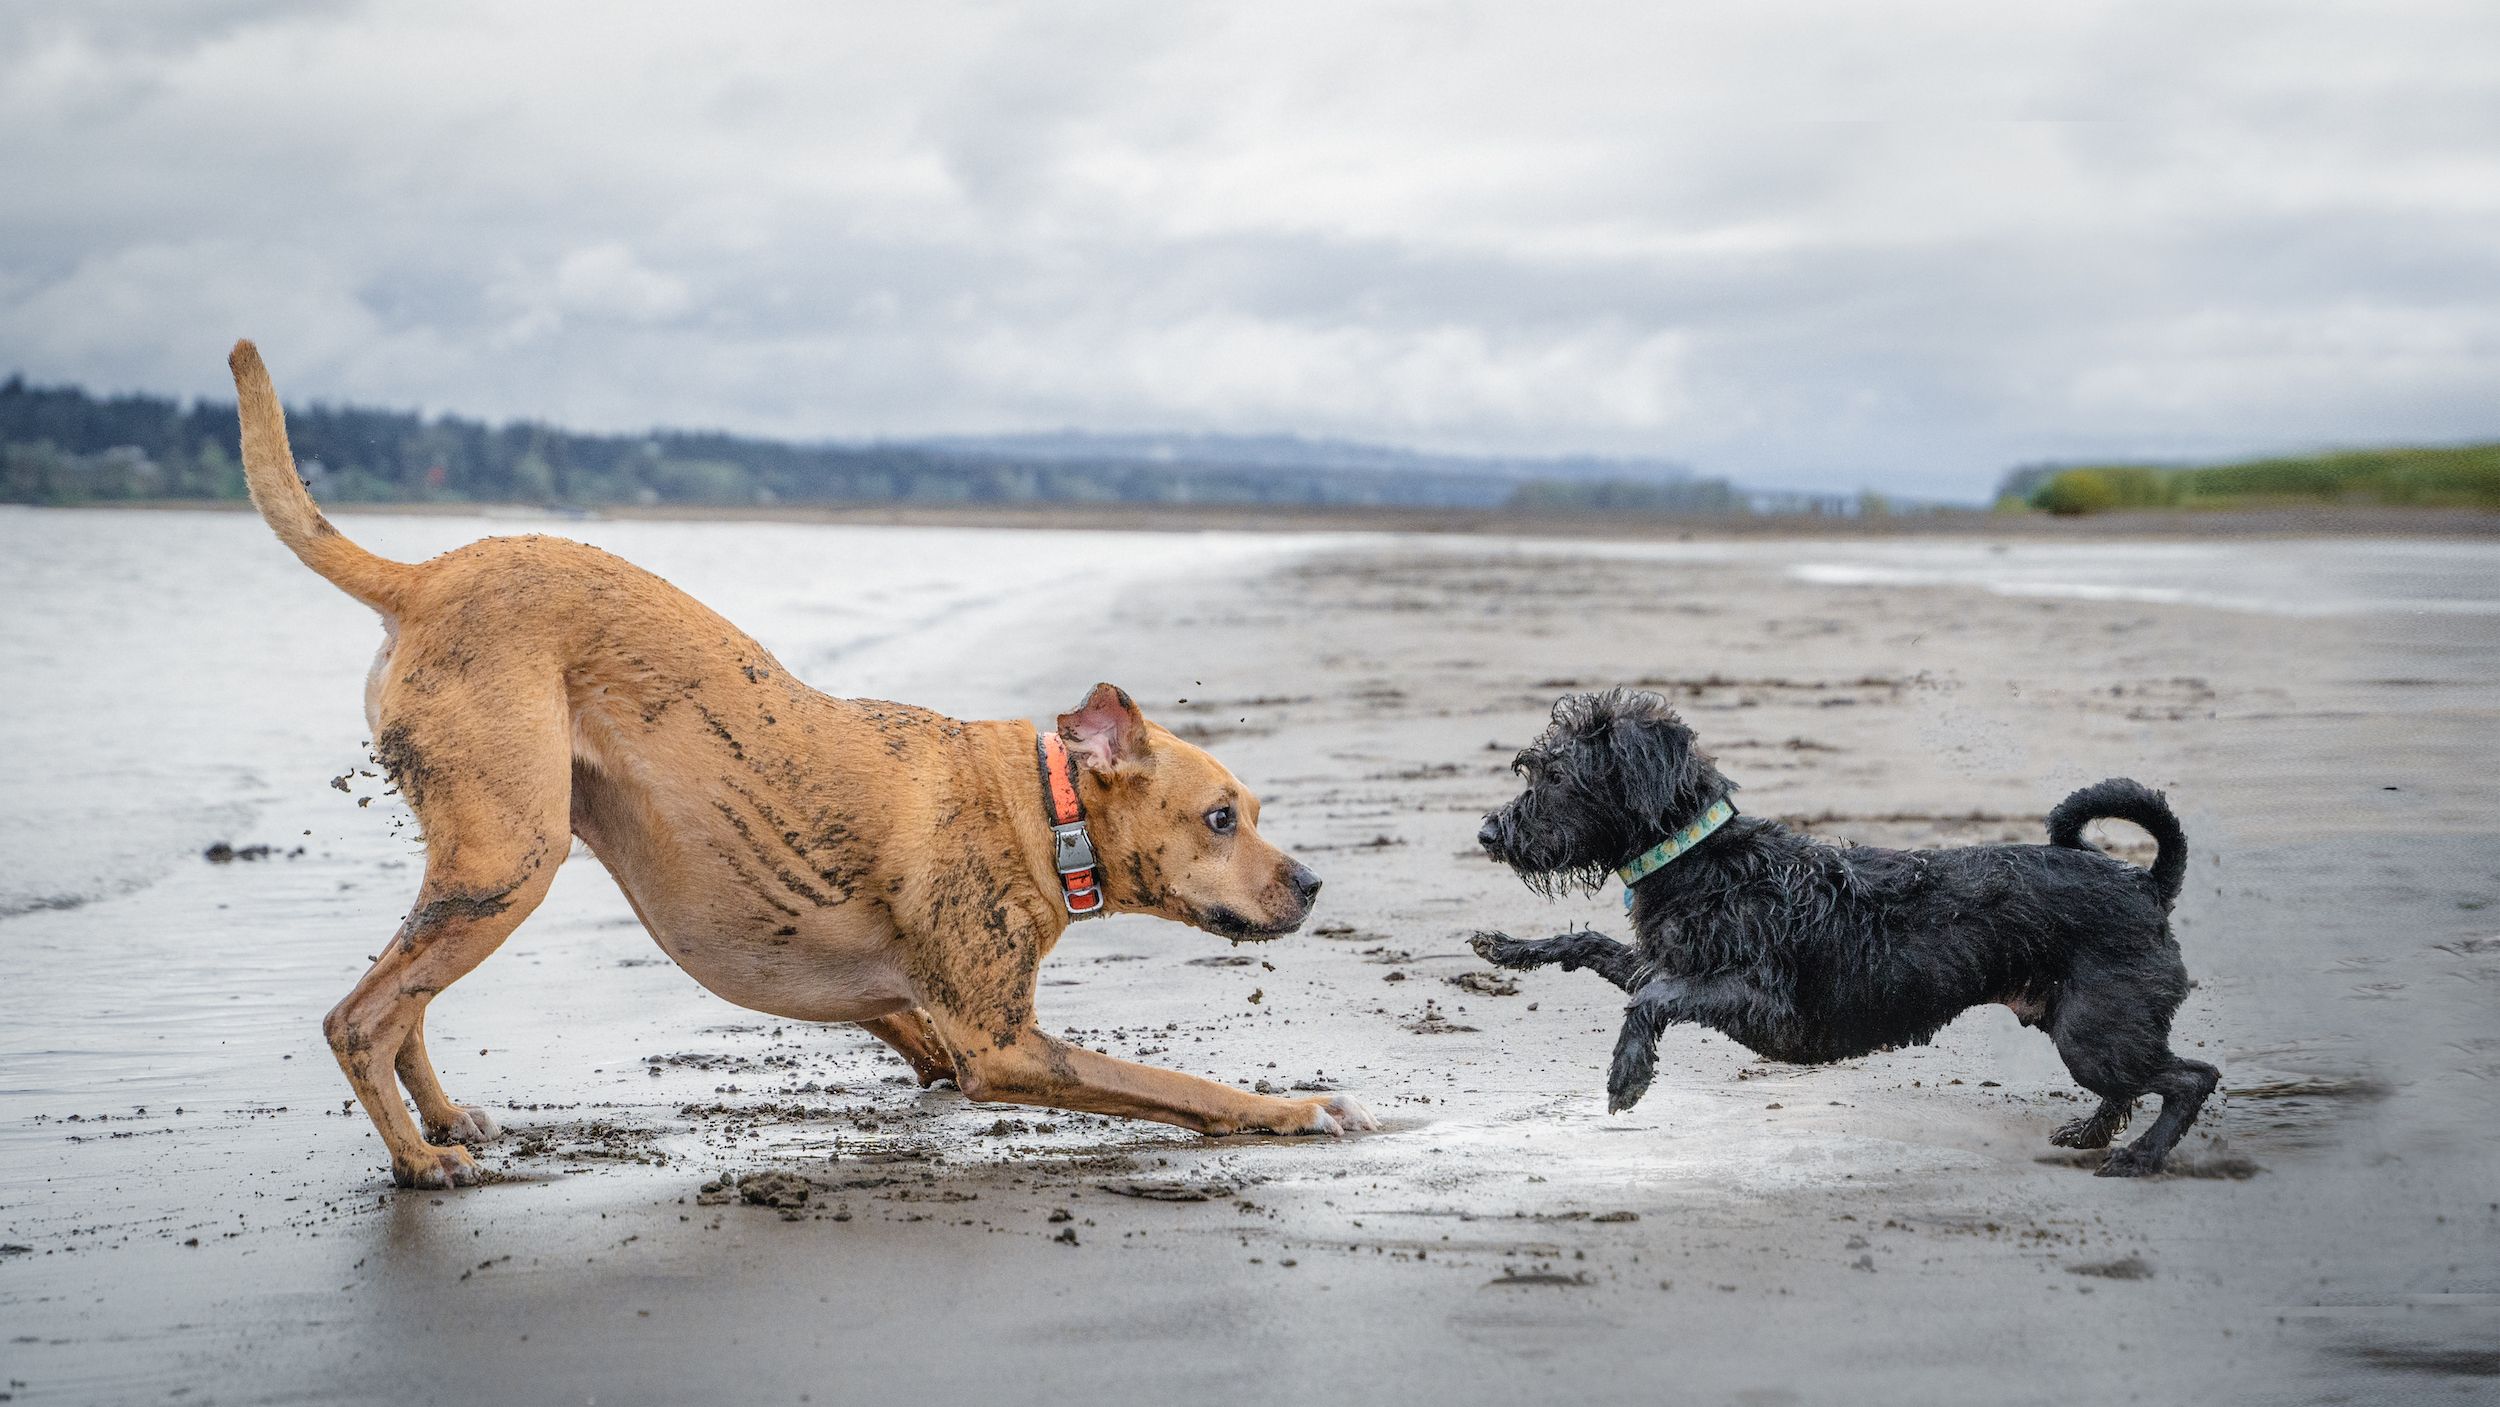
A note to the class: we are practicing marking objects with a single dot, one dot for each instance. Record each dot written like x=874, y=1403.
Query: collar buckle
x=1079, y=887
x=1074, y=847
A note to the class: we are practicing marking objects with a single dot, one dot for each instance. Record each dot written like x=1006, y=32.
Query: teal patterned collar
x=1656, y=858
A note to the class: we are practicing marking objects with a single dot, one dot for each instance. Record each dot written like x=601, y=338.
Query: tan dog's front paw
x=470, y=1125
x=436, y=1167
x=1335, y=1115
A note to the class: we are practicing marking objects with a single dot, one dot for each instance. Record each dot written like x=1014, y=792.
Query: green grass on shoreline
x=2464, y=476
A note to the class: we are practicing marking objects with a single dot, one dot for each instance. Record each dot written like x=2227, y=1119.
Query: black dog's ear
x=1105, y=730
x=1661, y=761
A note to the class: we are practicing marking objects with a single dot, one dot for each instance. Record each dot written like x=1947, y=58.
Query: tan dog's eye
x=1221, y=820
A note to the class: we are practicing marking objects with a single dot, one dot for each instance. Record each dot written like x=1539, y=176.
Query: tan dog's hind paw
x=437, y=1167
x=1338, y=1114
x=469, y=1125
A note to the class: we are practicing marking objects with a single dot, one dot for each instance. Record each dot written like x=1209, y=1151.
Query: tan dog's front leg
x=1030, y=1067
x=913, y=1039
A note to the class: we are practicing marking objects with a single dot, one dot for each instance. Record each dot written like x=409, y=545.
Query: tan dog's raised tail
x=816, y=858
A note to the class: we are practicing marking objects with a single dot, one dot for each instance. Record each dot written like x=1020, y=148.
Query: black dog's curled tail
x=2124, y=799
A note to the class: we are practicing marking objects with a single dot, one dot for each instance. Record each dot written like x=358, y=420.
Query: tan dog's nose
x=1305, y=884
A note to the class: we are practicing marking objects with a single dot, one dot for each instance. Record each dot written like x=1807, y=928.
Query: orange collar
x=1079, y=885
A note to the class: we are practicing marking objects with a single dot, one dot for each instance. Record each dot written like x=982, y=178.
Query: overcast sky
x=1805, y=245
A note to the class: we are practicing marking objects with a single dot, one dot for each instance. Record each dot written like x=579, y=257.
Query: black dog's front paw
x=1636, y=1064
x=1502, y=950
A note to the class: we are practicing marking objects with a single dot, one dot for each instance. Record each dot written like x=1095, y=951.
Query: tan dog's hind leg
x=912, y=1037
x=1030, y=1067
x=442, y=1120
x=453, y=928
x=489, y=773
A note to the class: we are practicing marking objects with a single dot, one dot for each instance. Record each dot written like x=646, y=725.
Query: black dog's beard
x=1547, y=858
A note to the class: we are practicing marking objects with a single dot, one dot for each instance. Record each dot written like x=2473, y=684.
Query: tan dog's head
x=1176, y=834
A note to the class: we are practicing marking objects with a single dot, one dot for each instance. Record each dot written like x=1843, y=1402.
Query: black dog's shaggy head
x=1612, y=775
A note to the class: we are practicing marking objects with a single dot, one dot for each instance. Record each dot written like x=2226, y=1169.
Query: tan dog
x=816, y=858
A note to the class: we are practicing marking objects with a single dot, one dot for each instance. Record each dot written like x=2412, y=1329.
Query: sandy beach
x=700, y=1204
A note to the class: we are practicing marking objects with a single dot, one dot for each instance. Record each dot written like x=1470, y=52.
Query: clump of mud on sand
x=788, y=1193
x=226, y=853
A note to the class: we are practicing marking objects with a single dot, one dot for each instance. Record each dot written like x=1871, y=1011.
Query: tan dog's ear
x=1105, y=730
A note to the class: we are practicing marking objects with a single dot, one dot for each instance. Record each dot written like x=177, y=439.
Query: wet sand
x=1894, y=1229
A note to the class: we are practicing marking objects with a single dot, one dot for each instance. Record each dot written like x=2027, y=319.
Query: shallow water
x=2323, y=577
x=2295, y=577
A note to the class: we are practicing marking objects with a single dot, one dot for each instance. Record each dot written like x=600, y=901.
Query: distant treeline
x=61, y=445
x=2465, y=476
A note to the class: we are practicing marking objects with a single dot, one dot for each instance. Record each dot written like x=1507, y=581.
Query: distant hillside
x=2462, y=476
x=62, y=445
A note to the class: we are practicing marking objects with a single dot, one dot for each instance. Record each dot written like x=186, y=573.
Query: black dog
x=1808, y=952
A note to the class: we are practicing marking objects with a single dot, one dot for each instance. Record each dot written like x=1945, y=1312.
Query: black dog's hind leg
x=1574, y=950
x=2097, y=1128
x=1661, y=1002
x=2183, y=1088
x=2112, y=1027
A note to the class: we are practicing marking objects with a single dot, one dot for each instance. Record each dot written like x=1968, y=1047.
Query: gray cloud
x=1821, y=245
